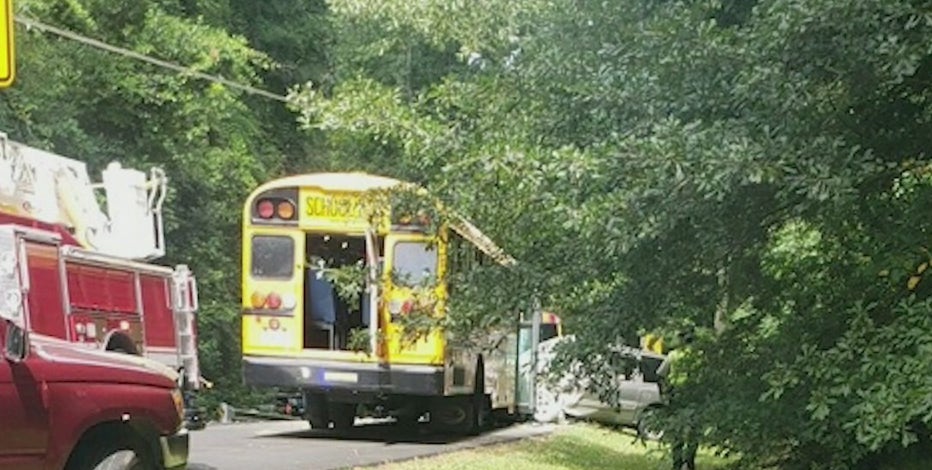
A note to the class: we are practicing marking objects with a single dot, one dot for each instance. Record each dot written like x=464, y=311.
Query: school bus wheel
x=343, y=415
x=453, y=414
x=482, y=403
x=315, y=406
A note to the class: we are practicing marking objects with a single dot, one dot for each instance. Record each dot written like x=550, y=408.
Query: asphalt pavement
x=292, y=445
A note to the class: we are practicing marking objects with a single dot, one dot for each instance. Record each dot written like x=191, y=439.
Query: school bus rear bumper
x=324, y=375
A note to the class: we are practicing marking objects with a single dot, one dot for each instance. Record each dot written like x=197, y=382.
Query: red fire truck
x=88, y=276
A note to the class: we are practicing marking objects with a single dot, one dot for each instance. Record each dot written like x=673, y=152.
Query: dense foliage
x=758, y=170
x=215, y=143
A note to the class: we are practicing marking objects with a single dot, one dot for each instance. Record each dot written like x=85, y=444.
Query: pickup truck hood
x=70, y=362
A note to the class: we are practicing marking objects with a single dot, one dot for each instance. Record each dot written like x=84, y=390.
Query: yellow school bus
x=345, y=348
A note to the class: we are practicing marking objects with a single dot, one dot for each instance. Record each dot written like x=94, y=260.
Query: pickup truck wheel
x=121, y=460
x=119, y=455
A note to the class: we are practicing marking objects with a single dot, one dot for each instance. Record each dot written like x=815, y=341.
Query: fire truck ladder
x=184, y=293
x=56, y=189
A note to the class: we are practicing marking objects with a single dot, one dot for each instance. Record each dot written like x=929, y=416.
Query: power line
x=30, y=23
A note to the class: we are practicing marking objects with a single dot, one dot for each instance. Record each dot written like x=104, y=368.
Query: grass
x=571, y=447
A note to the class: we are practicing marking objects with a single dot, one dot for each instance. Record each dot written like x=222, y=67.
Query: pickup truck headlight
x=178, y=398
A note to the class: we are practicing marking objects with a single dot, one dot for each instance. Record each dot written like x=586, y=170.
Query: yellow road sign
x=7, y=58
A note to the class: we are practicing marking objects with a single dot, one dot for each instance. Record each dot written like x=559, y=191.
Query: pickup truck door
x=24, y=437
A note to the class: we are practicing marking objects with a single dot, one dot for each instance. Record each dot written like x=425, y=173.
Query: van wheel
x=548, y=407
x=647, y=426
x=103, y=455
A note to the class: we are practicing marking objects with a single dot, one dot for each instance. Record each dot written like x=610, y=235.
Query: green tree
x=758, y=170
x=215, y=143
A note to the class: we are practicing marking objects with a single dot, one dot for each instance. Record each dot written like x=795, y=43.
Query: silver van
x=623, y=391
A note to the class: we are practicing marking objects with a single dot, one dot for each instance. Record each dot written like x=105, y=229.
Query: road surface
x=292, y=445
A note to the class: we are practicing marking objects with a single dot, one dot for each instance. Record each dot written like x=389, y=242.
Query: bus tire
x=483, y=413
x=343, y=415
x=455, y=415
x=315, y=409
x=482, y=404
x=317, y=418
x=409, y=417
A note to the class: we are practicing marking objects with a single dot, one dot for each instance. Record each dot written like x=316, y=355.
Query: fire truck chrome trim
x=104, y=260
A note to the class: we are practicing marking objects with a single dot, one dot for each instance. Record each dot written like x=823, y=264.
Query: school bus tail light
x=273, y=301
x=285, y=210
x=257, y=299
x=265, y=209
x=289, y=301
x=276, y=207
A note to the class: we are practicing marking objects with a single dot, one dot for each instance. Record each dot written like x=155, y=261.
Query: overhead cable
x=30, y=23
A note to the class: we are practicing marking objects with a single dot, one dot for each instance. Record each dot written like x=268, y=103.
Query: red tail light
x=274, y=301
x=265, y=209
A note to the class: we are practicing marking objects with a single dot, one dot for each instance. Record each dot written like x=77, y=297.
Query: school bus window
x=272, y=256
x=414, y=263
